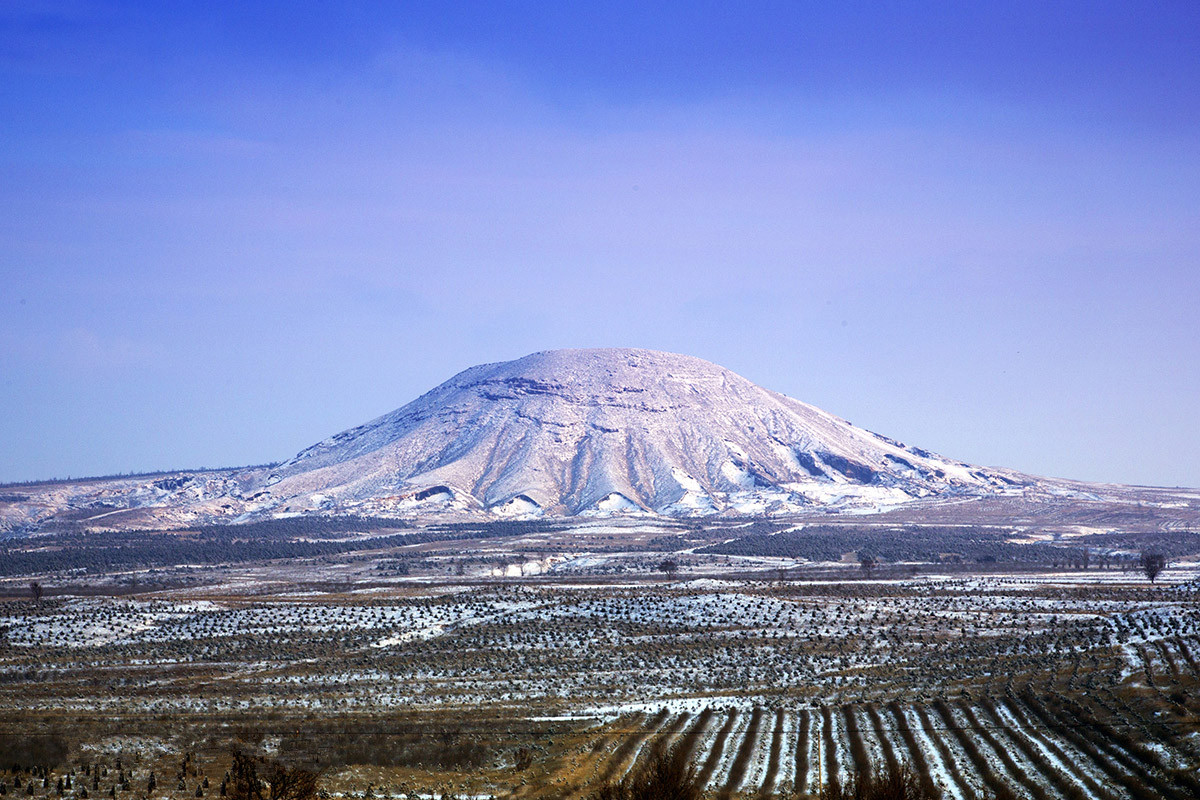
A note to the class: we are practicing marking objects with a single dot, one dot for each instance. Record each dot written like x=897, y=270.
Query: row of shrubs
x=671, y=776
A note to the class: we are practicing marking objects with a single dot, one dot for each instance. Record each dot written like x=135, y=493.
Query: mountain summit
x=567, y=432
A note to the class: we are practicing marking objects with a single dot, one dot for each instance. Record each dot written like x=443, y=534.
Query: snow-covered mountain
x=609, y=430
x=585, y=432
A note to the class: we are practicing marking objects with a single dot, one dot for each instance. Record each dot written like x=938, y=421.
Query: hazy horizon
x=231, y=231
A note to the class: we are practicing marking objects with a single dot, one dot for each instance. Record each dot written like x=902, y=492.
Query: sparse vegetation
x=901, y=783
x=415, y=668
x=667, y=775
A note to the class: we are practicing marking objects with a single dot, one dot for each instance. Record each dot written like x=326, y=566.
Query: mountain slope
x=593, y=431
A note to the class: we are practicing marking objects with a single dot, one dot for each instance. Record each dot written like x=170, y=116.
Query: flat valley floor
x=547, y=662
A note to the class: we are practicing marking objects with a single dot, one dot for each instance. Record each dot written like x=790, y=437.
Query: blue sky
x=230, y=230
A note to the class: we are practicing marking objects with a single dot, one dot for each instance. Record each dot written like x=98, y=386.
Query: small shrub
x=898, y=784
x=667, y=776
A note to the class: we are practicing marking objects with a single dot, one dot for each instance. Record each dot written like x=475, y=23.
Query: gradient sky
x=228, y=230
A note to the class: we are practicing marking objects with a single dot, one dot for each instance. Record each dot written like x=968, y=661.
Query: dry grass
x=668, y=775
x=901, y=783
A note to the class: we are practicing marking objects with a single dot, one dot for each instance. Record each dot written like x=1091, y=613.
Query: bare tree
x=293, y=783
x=36, y=591
x=867, y=562
x=244, y=783
x=285, y=783
x=1152, y=563
x=668, y=567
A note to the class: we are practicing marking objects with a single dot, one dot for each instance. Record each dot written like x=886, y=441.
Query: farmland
x=542, y=661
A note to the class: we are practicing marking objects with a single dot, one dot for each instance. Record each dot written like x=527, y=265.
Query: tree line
x=105, y=551
x=925, y=543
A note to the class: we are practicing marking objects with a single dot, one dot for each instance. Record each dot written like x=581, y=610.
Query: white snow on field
x=966, y=766
x=757, y=768
x=1170, y=759
x=96, y=623
x=116, y=745
x=720, y=776
x=809, y=778
x=990, y=753
x=1079, y=764
x=708, y=737
x=693, y=705
x=841, y=743
x=866, y=731
x=933, y=757
x=614, y=636
x=893, y=736
x=604, y=650
x=653, y=731
x=787, y=751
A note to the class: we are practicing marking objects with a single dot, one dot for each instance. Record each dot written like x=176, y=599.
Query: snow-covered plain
x=605, y=647
x=1007, y=647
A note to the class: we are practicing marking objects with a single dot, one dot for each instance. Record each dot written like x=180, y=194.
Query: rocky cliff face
x=609, y=430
